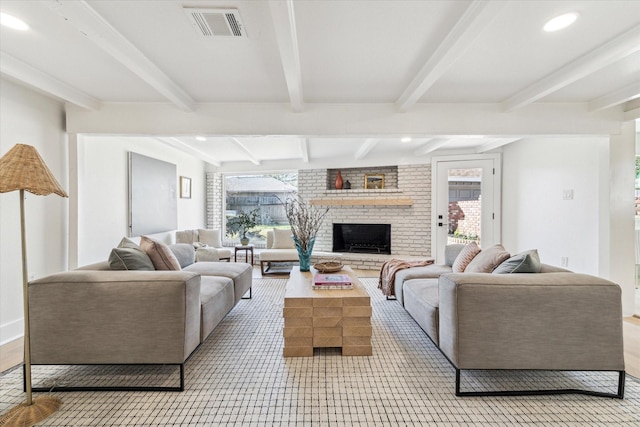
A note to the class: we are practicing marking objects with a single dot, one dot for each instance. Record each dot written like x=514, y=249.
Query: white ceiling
x=309, y=52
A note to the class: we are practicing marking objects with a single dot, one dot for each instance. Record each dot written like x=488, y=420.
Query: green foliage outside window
x=242, y=223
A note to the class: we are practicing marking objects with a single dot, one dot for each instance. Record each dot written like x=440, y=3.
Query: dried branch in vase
x=305, y=220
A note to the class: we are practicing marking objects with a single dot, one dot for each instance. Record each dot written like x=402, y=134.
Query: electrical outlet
x=564, y=261
x=567, y=194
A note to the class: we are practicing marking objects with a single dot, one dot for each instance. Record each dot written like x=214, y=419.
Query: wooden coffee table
x=327, y=317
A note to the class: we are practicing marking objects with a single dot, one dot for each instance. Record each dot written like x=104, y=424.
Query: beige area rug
x=239, y=377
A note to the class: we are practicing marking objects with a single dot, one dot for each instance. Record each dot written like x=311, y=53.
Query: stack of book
x=331, y=281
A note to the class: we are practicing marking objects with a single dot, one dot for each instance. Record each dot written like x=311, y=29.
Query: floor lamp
x=22, y=168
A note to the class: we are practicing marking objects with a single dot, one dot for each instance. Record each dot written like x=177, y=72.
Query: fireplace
x=362, y=238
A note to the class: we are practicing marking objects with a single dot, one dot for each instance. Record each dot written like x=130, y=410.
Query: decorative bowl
x=328, y=266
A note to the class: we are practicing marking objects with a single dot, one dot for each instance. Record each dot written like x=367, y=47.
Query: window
x=263, y=194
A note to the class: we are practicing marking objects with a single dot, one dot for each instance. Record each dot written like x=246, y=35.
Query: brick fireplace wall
x=215, y=204
x=407, y=189
x=410, y=224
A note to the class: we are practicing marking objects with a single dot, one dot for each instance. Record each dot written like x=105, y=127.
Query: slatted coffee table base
x=325, y=318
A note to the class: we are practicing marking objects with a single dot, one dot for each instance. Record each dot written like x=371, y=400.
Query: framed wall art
x=185, y=187
x=374, y=181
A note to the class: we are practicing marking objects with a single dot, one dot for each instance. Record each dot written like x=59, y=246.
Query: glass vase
x=304, y=256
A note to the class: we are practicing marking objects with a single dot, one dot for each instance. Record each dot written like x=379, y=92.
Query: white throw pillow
x=186, y=236
x=282, y=239
x=210, y=238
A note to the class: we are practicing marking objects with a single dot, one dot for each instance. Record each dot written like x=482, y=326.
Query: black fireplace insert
x=362, y=238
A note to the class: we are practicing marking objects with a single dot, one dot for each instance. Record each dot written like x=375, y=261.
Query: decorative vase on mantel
x=339, y=181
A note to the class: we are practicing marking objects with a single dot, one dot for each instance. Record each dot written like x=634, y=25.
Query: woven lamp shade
x=22, y=168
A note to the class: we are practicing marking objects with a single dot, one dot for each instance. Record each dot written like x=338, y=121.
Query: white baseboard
x=11, y=331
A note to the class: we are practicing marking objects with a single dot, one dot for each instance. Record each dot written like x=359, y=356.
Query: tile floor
x=239, y=377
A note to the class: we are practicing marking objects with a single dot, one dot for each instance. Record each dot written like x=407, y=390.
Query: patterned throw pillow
x=487, y=260
x=160, y=254
x=465, y=257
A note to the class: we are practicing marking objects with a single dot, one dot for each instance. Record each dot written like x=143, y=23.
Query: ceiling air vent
x=216, y=22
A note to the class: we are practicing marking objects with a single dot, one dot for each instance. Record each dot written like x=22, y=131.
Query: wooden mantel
x=363, y=201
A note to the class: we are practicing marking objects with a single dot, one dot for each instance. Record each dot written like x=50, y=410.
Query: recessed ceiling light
x=200, y=138
x=560, y=22
x=406, y=139
x=10, y=21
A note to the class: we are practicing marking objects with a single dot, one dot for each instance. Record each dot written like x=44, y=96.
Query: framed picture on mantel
x=374, y=181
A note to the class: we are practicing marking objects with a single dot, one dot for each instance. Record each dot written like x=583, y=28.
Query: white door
x=466, y=197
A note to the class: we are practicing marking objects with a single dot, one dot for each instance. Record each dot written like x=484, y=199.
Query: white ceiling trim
x=86, y=20
x=610, y=52
x=284, y=24
x=472, y=22
x=620, y=96
x=342, y=120
x=304, y=148
x=495, y=144
x=247, y=152
x=431, y=146
x=365, y=148
x=40, y=80
x=177, y=143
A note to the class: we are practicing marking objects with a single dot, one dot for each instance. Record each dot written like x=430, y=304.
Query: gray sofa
x=551, y=320
x=95, y=315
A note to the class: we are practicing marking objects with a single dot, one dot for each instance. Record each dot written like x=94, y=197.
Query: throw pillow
x=524, y=262
x=160, y=254
x=210, y=238
x=282, y=239
x=129, y=259
x=451, y=252
x=487, y=260
x=128, y=243
x=464, y=257
x=186, y=236
x=185, y=253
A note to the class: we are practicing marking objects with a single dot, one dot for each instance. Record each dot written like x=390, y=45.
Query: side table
x=246, y=249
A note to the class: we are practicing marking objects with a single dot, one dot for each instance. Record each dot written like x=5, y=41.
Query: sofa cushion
x=282, y=239
x=210, y=237
x=465, y=256
x=487, y=260
x=130, y=259
x=422, y=303
x=160, y=254
x=184, y=252
x=186, y=236
x=216, y=298
x=524, y=262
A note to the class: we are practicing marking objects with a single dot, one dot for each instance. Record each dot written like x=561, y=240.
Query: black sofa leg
x=107, y=388
x=618, y=395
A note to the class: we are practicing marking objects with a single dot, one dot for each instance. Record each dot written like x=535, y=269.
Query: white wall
x=29, y=118
x=594, y=230
x=103, y=189
x=536, y=172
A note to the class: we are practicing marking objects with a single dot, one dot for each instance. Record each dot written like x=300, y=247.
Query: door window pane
x=465, y=210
